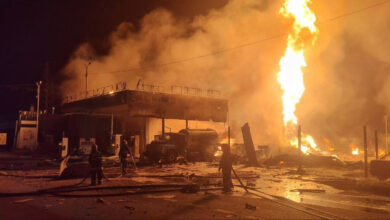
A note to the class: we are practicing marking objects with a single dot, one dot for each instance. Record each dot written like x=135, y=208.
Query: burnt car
x=380, y=169
x=192, y=144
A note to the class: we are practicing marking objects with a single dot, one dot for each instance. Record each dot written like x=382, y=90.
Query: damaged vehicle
x=192, y=144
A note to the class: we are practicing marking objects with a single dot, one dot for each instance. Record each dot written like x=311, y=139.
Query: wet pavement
x=281, y=188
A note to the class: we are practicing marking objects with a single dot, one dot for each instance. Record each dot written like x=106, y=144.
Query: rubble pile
x=310, y=160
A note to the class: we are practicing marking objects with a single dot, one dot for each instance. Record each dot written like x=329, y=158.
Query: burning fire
x=381, y=152
x=224, y=140
x=290, y=76
x=307, y=144
x=355, y=151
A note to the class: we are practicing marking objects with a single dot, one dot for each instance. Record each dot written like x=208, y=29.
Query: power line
x=140, y=69
x=356, y=11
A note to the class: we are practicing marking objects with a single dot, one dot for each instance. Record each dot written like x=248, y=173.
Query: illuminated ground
x=283, y=195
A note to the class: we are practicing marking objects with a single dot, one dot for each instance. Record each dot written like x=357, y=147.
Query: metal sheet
x=250, y=148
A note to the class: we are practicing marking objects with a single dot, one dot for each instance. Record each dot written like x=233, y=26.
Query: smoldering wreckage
x=187, y=158
x=166, y=154
x=156, y=131
x=115, y=113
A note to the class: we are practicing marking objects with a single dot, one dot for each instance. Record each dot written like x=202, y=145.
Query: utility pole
x=386, y=147
x=86, y=78
x=300, y=149
x=38, y=97
x=376, y=144
x=365, y=152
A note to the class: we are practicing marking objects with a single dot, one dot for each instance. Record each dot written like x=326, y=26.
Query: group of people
x=95, y=161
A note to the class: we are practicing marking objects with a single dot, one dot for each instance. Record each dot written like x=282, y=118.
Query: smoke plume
x=346, y=79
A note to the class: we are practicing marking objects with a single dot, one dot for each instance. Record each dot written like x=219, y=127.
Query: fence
x=111, y=89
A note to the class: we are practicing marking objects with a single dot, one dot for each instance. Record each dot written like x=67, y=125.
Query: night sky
x=41, y=35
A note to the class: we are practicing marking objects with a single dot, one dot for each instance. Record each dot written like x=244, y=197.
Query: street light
x=86, y=77
x=38, y=99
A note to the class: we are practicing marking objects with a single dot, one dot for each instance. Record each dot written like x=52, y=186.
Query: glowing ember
x=355, y=149
x=381, y=152
x=218, y=153
x=307, y=144
x=290, y=76
x=225, y=140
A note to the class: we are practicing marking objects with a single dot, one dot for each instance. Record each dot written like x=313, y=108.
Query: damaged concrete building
x=138, y=115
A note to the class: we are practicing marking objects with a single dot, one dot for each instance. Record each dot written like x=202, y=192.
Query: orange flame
x=355, y=149
x=290, y=76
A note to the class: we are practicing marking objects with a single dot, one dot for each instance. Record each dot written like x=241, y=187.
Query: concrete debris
x=225, y=212
x=191, y=188
x=208, y=193
x=100, y=200
x=130, y=208
x=250, y=184
x=169, y=196
x=74, y=170
x=250, y=207
x=22, y=200
x=274, y=180
x=249, y=146
x=380, y=169
x=307, y=161
x=308, y=190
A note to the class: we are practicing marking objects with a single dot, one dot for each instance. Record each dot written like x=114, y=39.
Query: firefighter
x=95, y=161
x=123, y=151
x=226, y=166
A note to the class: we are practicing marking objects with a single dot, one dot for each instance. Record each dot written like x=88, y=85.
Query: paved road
x=282, y=201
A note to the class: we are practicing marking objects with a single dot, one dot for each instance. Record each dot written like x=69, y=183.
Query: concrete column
x=162, y=126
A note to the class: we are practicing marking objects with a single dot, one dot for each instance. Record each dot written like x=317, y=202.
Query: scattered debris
x=22, y=200
x=248, y=142
x=208, y=193
x=250, y=184
x=225, y=212
x=100, y=200
x=181, y=160
x=130, y=208
x=380, y=169
x=250, y=207
x=274, y=180
x=169, y=196
x=308, y=190
x=307, y=161
x=193, y=188
x=69, y=170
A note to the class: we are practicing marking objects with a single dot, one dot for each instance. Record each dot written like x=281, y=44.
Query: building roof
x=151, y=104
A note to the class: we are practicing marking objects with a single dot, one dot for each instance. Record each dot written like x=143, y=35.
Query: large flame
x=290, y=76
